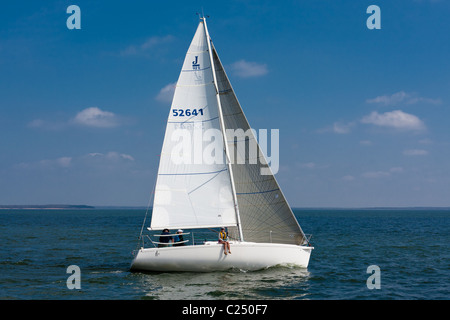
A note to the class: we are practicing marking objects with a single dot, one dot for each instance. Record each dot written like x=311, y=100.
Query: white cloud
x=382, y=174
x=389, y=100
x=126, y=157
x=166, y=93
x=245, y=69
x=395, y=119
x=62, y=162
x=414, y=100
x=110, y=156
x=396, y=170
x=95, y=159
x=338, y=127
x=118, y=156
x=52, y=125
x=94, y=117
x=89, y=117
x=365, y=142
x=311, y=165
x=402, y=97
x=415, y=152
x=95, y=154
x=376, y=174
x=37, y=123
x=342, y=128
x=146, y=46
x=425, y=141
x=109, y=161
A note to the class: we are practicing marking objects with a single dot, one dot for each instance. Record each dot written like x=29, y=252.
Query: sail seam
x=257, y=192
x=225, y=91
x=196, y=69
x=190, y=174
x=193, y=121
x=232, y=114
x=194, y=85
x=196, y=52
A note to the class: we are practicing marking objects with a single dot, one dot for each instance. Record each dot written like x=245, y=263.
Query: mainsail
x=264, y=212
x=191, y=195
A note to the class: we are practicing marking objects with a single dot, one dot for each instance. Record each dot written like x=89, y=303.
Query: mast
x=222, y=126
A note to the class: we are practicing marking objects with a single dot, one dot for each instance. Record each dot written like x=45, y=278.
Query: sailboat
x=239, y=193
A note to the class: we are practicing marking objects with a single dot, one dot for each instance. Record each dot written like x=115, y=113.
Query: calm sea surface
x=410, y=246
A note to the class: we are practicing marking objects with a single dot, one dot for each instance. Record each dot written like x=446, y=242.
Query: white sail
x=189, y=192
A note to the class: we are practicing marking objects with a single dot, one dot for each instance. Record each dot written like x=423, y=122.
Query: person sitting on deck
x=223, y=238
x=178, y=239
x=165, y=239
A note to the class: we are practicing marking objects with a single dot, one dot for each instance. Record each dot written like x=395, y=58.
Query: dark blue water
x=411, y=248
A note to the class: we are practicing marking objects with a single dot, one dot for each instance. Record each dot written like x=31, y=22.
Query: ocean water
x=410, y=247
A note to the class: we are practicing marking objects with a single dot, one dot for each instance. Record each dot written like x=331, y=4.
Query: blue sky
x=363, y=114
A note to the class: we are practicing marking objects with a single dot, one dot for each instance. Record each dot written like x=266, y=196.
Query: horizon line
x=87, y=207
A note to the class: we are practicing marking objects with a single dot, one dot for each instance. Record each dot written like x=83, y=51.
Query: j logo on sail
x=195, y=64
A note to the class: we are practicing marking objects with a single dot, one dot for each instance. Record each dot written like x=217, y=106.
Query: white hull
x=210, y=257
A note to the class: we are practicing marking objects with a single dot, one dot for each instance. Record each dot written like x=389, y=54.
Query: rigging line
x=187, y=121
x=207, y=181
x=193, y=210
x=146, y=213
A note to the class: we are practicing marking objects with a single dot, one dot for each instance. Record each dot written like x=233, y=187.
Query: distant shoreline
x=46, y=207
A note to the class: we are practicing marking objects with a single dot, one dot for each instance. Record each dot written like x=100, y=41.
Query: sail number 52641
x=186, y=112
